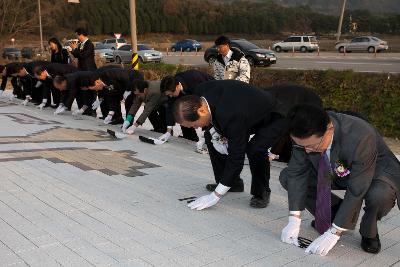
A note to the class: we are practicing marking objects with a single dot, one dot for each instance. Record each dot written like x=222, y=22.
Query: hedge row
x=376, y=96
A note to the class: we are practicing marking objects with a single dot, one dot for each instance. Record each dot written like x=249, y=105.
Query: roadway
x=359, y=62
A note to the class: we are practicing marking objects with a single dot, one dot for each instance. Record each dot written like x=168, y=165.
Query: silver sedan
x=368, y=44
x=146, y=54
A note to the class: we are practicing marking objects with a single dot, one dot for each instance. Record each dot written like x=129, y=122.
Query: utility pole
x=40, y=29
x=132, y=9
x=339, y=30
x=135, y=57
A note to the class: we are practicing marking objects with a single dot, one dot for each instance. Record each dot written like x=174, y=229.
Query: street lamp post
x=339, y=30
x=40, y=28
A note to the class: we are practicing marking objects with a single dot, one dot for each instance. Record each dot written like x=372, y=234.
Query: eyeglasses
x=311, y=147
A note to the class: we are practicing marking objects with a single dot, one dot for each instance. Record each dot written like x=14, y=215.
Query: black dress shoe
x=260, y=202
x=236, y=188
x=371, y=245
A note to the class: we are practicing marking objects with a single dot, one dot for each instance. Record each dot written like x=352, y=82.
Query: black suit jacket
x=189, y=80
x=73, y=88
x=54, y=69
x=85, y=56
x=238, y=110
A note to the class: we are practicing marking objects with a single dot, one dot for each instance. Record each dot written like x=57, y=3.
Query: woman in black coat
x=58, y=54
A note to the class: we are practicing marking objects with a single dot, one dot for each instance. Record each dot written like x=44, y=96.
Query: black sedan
x=255, y=55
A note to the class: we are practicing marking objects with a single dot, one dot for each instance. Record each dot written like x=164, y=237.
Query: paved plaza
x=71, y=195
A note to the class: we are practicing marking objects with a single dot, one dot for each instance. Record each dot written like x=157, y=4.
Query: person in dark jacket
x=45, y=74
x=69, y=86
x=83, y=51
x=32, y=89
x=15, y=82
x=58, y=53
x=176, y=86
x=112, y=85
x=233, y=110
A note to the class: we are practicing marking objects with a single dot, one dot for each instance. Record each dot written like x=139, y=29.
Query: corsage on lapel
x=340, y=170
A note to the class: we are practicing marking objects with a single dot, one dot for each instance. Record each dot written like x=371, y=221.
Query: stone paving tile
x=54, y=213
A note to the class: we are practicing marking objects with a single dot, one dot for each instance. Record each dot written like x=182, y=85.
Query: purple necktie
x=323, y=204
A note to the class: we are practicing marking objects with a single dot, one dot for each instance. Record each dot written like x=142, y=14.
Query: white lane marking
x=353, y=63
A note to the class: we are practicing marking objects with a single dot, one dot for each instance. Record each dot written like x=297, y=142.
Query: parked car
x=255, y=55
x=146, y=54
x=11, y=53
x=103, y=52
x=186, y=45
x=114, y=43
x=362, y=44
x=27, y=52
x=303, y=43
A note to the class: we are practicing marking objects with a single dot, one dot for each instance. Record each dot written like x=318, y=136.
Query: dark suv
x=11, y=53
x=255, y=55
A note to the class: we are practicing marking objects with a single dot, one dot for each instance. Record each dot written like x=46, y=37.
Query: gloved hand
x=11, y=97
x=323, y=244
x=131, y=129
x=38, y=84
x=41, y=106
x=1, y=92
x=108, y=119
x=125, y=126
x=291, y=232
x=209, y=200
x=61, y=109
x=27, y=99
x=78, y=112
x=220, y=143
x=165, y=137
x=126, y=94
x=272, y=156
x=96, y=104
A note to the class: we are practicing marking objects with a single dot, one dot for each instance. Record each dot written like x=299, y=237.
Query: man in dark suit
x=69, y=86
x=112, y=85
x=175, y=87
x=30, y=85
x=45, y=74
x=83, y=51
x=233, y=111
x=340, y=152
x=15, y=82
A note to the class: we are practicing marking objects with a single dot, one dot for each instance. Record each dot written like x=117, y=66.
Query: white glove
x=78, y=112
x=165, y=137
x=1, y=92
x=126, y=94
x=41, y=106
x=108, y=119
x=27, y=99
x=131, y=129
x=38, y=84
x=291, y=232
x=61, y=109
x=11, y=97
x=209, y=200
x=221, y=148
x=272, y=156
x=125, y=126
x=96, y=104
x=323, y=244
x=220, y=143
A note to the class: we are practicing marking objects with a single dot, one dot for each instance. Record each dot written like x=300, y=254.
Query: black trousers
x=189, y=134
x=158, y=119
x=109, y=102
x=257, y=153
x=379, y=200
x=17, y=88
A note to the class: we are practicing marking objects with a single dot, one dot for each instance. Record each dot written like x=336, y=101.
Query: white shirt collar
x=228, y=56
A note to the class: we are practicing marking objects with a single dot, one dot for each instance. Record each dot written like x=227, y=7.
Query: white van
x=302, y=43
